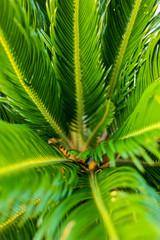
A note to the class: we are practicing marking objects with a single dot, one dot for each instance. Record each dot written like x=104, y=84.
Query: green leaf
x=113, y=203
x=138, y=148
x=28, y=78
x=74, y=35
x=32, y=174
x=146, y=115
x=126, y=25
x=16, y=231
x=34, y=14
x=145, y=73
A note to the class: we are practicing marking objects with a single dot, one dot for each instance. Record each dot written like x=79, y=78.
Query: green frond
x=28, y=78
x=129, y=20
x=79, y=120
x=115, y=203
x=32, y=174
x=116, y=17
x=145, y=73
x=42, y=6
x=16, y=231
x=146, y=115
x=34, y=15
x=138, y=148
x=74, y=35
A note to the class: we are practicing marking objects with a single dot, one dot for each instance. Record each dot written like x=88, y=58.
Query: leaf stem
x=102, y=209
x=79, y=94
x=97, y=127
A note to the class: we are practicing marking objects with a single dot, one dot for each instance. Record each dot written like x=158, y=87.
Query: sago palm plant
x=80, y=119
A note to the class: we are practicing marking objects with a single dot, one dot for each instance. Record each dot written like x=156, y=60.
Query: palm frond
x=114, y=202
x=82, y=75
x=34, y=15
x=145, y=72
x=17, y=231
x=32, y=174
x=146, y=115
x=139, y=134
x=77, y=61
x=139, y=148
x=126, y=25
x=28, y=77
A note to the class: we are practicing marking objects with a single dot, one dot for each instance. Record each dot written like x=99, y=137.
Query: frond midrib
x=110, y=228
x=142, y=130
x=122, y=50
x=30, y=92
x=78, y=81
x=95, y=130
x=30, y=163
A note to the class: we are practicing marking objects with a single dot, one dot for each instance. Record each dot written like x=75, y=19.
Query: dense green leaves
x=125, y=26
x=112, y=208
x=36, y=89
x=74, y=35
x=146, y=115
x=145, y=72
x=80, y=120
x=32, y=174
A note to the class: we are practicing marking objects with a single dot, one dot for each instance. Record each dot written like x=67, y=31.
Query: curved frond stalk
x=100, y=124
x=122, y=50
x=30, y=163
x=110, y=228
x=78, y=80
x=30, y=92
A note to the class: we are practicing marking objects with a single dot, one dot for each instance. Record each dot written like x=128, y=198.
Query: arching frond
x=28, y=78
x=114, y=203
x=139, y=134
x=139, y=148
x=146, y=115
x=74, y=35
x=135, y=79
x=125, y=27
x=84, y=76
x=32, y=175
